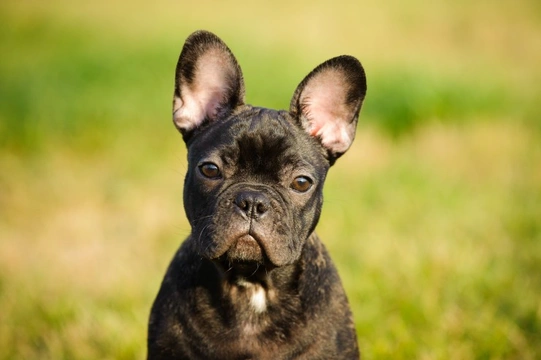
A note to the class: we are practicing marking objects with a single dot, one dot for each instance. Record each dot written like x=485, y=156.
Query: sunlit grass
x=441, y=242
x=435, y=229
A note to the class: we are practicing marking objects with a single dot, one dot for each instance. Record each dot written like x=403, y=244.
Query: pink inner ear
x=324, y=106
x=205, y=95
x=336, y=138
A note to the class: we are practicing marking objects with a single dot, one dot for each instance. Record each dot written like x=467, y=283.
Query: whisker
x=257, y=268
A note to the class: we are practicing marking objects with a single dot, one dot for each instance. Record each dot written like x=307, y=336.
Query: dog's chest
x=252, y=299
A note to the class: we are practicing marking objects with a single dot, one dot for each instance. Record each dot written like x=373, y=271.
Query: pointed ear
x=327, y=103
x=208, y=82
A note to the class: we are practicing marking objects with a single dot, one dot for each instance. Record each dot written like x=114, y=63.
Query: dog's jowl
x=253, y=280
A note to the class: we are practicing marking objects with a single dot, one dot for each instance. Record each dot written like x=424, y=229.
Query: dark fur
x=252, y=233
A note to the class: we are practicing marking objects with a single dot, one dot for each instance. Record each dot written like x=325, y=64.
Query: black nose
x=253, y=204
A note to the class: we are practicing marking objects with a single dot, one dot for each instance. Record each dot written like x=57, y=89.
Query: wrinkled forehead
x=260, y=140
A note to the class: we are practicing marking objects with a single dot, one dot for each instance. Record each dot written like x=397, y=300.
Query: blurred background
x=433, y=217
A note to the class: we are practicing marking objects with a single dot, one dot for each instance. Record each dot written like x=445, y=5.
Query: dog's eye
x=210, y=170
x=301, y=184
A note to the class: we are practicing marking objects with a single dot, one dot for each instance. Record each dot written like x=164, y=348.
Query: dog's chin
x=246, y=249
x=245, y=257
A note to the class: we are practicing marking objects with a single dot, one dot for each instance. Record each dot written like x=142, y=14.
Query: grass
x=440, y=256
x=433, y=217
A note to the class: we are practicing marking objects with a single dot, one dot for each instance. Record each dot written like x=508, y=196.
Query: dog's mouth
x=246, y=249
x=246, y=256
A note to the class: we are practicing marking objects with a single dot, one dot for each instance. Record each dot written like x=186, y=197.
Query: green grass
x=433, y=217
x=442, y=264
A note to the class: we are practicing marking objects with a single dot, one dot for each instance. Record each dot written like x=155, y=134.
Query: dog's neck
x=257, y=282
x=247, y=290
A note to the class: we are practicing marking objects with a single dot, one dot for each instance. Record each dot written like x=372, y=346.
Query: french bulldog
x=253, y=280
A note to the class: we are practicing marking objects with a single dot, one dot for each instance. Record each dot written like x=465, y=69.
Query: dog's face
x=253, y=190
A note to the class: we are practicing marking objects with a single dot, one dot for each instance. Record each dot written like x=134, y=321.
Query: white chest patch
x=258, y=299
x=256, y=294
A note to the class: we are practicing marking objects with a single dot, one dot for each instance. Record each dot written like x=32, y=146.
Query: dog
x=253, y=280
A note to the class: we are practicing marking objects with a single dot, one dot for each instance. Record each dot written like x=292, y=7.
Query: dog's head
x=253, y=190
